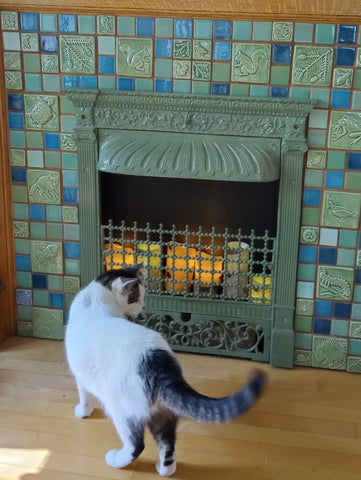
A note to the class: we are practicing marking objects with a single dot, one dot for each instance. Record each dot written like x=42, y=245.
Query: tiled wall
x=46, y=52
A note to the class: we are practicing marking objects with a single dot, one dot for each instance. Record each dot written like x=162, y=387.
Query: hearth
x=206, y=193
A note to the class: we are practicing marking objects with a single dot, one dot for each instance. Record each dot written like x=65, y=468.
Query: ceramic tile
x=341, y=209
x=48, y=323
x=201, y=88
x=19, y=193
x=251, y=62
x=71, y=284
x=182, y=69
x=29, y=22
x=46, y=257
x=316, y=159
x=220, y=89
x=307, y=253
x=52, y=159
x=144, y=27
x=13, y=80
x=134, y=57
x=41, y=112
x=302, y=357
x=21, y=211
x=242, y=30
x=12, y=61
x=22, y=246
x=334, y=283
x=345, y=57
x=17, y=158
x=126, y=25
x=71, y=232
x=354, y=364
x=11, y=41
x=126, y=84
x=15, y=101
x=54, y=231
x=182, y=49
x=86, y=24
x=182, y=86
x=310, y=216
x=183, y=28
x=56, y=282
x=67, y=23
x=48, y=22
x=342, y=77
x=328, y=352
x=9, y=21
x=201, y=70
x=24, y=328
x=309, y=235
x=77, y=54
x=21, y=229
x=336, y=160
x=23, y=279
x=312, y=65
x=282, y=31
x=44, y=186
x=37, y=230
x=353, y=181
x=306, y=272
x=262, y=31
x=305, y=289
x=221, y=72
x=106, y=25
x=72, y=266
x=303, y=340
x=304, y=32
x=339, y=328
x=240, y=90
x=222, y=50
x=29, y=42
x=53, y=213
x=346, y=257
x=348, y=238
x=325, y=33
x=356, y=311
x=202, y=49
x=164, y=27
x=329, y=236
x=51, y=83
x=280, y=75
x=303, y=324
x=304, y=307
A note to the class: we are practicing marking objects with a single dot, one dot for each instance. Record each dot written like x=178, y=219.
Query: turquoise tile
x=357, y=293
x=69, y=160
x=303, y=340
x=322, y=95
x=66, y=106
x=306, y=272
x=126, y=25
x=22, y=246
x=329, y=236
x=242, y=30
x=40, y=298
x=55, y=282
x=24, y=312
x=262, y=31
x=72, y=266
x=106, y=45
x=339, y=328
x=325, y=33
x=305, y=289
x=52, y=159
x=316, y=138
x=70, y=178
x=21, y=211
x=17, y=139
x=163, y=67
x=48, y=22
x=86, y=23
x=19, y=193
x=303, y=32
x=71, y=232
x=354, y=347
x=313, y=178
x=53, y=213
x=37, y=230
x=23, y=279
x=201, y=88
x=34, y=140
x=356, y=100
x=303, y=324
x=181, y=86
x=336, y=160
x=51, y=83
x=202, y=28
x=31, y=62
x=54, y=231
x=164, y=27
x=356, y=311
x=259, y=91
x=348, y=238
x=35, y=158
x=33, y=82
x=106, y=83
x=238, y=90
x=144, y=85
x=68, y=123
x=346, y=257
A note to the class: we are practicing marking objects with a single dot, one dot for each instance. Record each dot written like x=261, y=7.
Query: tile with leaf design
x=345, y=130
x=44, y=186
x=182, y=49
x=202, y=49
x=312, y=65
x=41, y=112
x=201, y=70
x=48, y=323
x=251, y=62
x=335, y=283
x=46, y=257
x=135, y=57
x=329, y=352
x=282, y=31
x=12, y=61
x=77, y=54
x=341, y=209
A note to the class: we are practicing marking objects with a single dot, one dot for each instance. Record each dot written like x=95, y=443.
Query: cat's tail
x=184, y=401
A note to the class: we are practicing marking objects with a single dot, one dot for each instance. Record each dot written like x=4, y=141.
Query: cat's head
x=127, y=288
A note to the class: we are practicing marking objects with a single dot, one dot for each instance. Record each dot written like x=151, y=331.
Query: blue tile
x=126, y=84
x=70, y=81
x=322, y=325
x=282, y=53
x=220, y=89
x=312, y=197
x=30, y=22
x=342, y=310
x=15, y=101
x=88, y=82
x=163, y=85
x=71, y=250
x=222, y=29
x=222, y=51
x=145, y=27
x=67, y=23
x=16, y=121
x=37, y=212
x=323, y=308
x=70, y=178
x=66, y=317
x=39, y=280
x=183, y=28
x=307, y=254
x=354, y=161
x=163, y=47
x=334, y=179
x=23, y=262
x=345, y=57
x=327, y=256
x=71, y=195
x=107, y=65
x=24, y=297
x=341, y=98
x=52, y=141
x=279, y=92
x=57, y=300
x=347, y=34
x=18, y=175
x=358, y=276
x=49, y=43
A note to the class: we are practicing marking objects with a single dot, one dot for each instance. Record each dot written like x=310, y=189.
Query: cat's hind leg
x=163, y=425
x=85, y=406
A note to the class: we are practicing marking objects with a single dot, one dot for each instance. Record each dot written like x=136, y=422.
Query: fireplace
x=206, y=192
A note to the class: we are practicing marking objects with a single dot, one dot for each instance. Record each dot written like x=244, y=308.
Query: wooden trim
x=7, y=253
x=313, y=11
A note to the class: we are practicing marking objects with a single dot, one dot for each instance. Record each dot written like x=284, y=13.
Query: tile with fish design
x=251, y=62
x=41, y=112
x=335, y=283
x=329, y=352
x=354, y=364
x=316, y=159
x=303, y=357
x=46, y=257
x=341, y=209
x=48, y=323
x=12, y=61
x=345, y=131
x=134, y=57
x=44, y=186
x=77, y=54
x=312, y=65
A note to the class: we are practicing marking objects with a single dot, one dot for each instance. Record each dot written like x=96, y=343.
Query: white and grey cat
x=133, y=372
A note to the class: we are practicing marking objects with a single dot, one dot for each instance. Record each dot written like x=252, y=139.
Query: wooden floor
x=307, y=426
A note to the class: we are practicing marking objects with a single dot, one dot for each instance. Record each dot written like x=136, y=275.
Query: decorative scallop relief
x=329, y=352
x=312, y=65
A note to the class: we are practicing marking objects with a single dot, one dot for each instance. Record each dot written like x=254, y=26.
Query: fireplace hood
x=184, y=155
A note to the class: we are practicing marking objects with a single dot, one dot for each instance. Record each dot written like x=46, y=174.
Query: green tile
x=50, y=63
x=303, y=324
x=202, y=49
x=21, y=210
x=221, y=72
x=44, y=186
x=108, y=82
x=282, y=31
x=354, y=347
x=40, y=298
x=336, y=160
x=70, y=214
x=106, y=45
x=13, y=80
x=302, y=357
x=24, y=328
x=86, y=24
x=37, y=230
x=17, y=139
x=181, y=86
x=69, y=300
x=357, y=78
x=31, y=62
x=163, y=67
x=68, y=142
x=106, y=24
x=12, y=61
x=357, y=293
x=309, y=235
x=182, y=69
x=329, y=352
x=280, y=75
x=46, y=257
x=48, y=323
x=342, y=77
x=182, y=49
x=126, y=25
x=242, y=30
x=82, y=52
x=201, y=70
x=144, y=85
x=48, y=22
x=67, y=123
x=317, y=138
x=356, y=100
x=346, y=257
x=55, y=282
x=71, y=232
x=202, y=28
x=34, y=139
x=33, y=83
x=339, y=328
x=201, y=88
x=334, y=283
x=17, y=158
x=24, y=312
x=310, y=216
x=312, y=65
x=356, y=312
x=304, y=307
x=69, y=160
x=41, y=112
x=52, y=159
x=318, y=119
x=322, y=95
x=353, y=181
x=256, y=54
x=303, y=32
x=72, y=266
x=128, y=46
x=313, y=178
x=354, y=364
x=21, y=229
x=259, y=91
x=23, y=279
x=325, y=33
x=239, y=90
x=316, y=159
x=9, y=21
x=54, y=231
x=347, y=238
x=262, y=31
x=306, y=272
x=19, y=193
x=22, y=246
x=51, y=83
x=303, y=340
x=66, y=106
x=343, y=126
x=71, y=284
x=53, y=213
x=341, y=209
x=30, y=42
x=164, y=27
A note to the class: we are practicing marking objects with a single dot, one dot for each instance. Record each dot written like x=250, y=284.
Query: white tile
x=329, y=237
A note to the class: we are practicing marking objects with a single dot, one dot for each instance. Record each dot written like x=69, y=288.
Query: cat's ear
x=126, y=285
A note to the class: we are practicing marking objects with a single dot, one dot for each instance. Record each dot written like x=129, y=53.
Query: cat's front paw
x=82, y=411
x=166, y=470
x=118, y=458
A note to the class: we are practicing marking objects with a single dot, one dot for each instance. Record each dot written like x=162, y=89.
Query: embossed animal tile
x=341, y=209
x=335, y=283
x=135, y=57
x=251, y=62
x=41, y=112
x=44, y=186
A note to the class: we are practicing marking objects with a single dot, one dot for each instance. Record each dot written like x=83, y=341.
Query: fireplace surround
x=205, y=139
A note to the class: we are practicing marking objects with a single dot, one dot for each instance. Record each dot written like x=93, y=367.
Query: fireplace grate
x=194, y=263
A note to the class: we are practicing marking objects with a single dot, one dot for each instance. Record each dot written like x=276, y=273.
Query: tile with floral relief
x=77, y=54
x=251, y=62
x=182, y=49
x=341, y=209
x=335, y=283
x=106, y=24
x=44, y=186
x=41, y=112
x=182, y=69
x=13, y=80
x=12, y=61
x=316, y=159
x=354, y=364
x=48, y=323
x=342, y=78
x=50, y=63
x=202, y=49
x=329, y=352
x=135, y=57
x=312, y=65
x=30, y=42
x=17, y=157
x=303, y=357
x=345, y=130
x=24, y=328
x=71, y=284
x=21, y=229
x=201, y=70
x=282, y=31
x=9, y=21
x=68, y=142
x=46, y=257
x=309, y=235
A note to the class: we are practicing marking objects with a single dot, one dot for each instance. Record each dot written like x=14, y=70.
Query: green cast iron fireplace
x=206, y=193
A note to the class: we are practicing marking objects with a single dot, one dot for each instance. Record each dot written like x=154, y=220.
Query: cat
x=133, y=372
